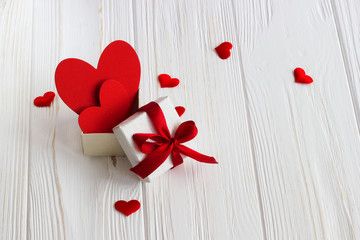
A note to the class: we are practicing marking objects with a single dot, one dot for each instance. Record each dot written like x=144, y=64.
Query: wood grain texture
x=305, y=138
x=45, y=210
x=288, y=153
x=15, y=101
x=348, y=26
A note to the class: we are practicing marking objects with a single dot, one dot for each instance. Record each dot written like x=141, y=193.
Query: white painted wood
x=288, y=153
x=348, y=26
x=305, y=137
x=45, y=207
x=15, y=102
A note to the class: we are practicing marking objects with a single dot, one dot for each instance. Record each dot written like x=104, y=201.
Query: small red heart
x=115, y=107
x=78, y=83
x=223, y=50
x=180, y=110
x=127, y=208
x=301, y=77
x=166, y=81
x=45, y=100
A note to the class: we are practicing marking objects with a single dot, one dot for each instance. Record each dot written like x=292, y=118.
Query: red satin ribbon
x=162, y=145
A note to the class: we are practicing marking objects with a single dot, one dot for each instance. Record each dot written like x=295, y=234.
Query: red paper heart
x=223, y=50
x=45, y=100
x=180, y=110
x=166, y=81
x=78, y=83
x=127, y=208
x=301, y=77
x=115, y=107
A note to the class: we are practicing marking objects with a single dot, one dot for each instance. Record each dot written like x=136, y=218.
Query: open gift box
x=107, y=99
x=102, y=144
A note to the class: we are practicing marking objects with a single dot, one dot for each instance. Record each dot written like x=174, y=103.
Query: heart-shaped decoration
x=127, y=208
x=78, y=83
x=45, y=100
x=223, y=50
x=166, y=81
x=115, y=107
x=180, y=110
x=301, y=77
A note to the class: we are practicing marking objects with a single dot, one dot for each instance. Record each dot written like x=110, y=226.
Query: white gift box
x=141, y=123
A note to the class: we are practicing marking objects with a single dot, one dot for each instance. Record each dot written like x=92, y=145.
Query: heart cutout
x=223, y=50
x=45, y=100
x=115, y=107
x=180, y=110
x=127, y=208
x=301, y=77
x=78, y=83
x=167, y=82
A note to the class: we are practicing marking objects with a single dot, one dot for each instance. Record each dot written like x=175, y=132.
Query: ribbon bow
x=163, y=144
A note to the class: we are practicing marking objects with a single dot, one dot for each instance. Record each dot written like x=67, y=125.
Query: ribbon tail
x=152, y=161
x=176, y=159
x=195, y=155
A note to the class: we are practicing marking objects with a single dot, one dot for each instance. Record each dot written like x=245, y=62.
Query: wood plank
x=72, y=196
x=348, y=26
x=198, y=201
x=46, y=216
x=305, y=137
x=15, y=100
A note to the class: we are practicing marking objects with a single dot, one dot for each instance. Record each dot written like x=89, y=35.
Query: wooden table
x=289, y=153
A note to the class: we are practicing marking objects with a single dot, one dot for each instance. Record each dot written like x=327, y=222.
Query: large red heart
x=115, y=107
x=78, y=83
x=127, y=208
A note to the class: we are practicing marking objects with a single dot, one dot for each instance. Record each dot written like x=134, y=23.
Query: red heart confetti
x=301, y=77
x=78, y=83
x=180, y=110
x=127, y=208
x=45, y=100
x=223, y=50
x=115, y=107
x=167, y=82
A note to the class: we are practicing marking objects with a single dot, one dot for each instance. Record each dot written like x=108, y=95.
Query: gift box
x=155, y=140
x=103, y=144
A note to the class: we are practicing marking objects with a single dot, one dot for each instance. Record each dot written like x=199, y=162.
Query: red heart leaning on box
x=106, y=99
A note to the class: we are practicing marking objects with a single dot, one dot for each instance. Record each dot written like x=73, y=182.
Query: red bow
x=162, y=144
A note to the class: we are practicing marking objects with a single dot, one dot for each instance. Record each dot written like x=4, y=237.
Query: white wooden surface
x=289, y=154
